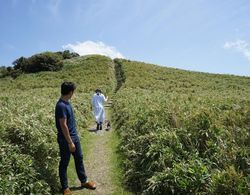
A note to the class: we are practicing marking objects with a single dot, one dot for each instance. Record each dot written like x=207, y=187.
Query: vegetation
x=46, y=61
x=119, y=74
x=29, y=151
x=183, y=132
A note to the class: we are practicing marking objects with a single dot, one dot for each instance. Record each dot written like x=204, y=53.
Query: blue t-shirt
x=64, y=110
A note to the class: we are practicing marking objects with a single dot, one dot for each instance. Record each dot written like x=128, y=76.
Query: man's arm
x=65, y=130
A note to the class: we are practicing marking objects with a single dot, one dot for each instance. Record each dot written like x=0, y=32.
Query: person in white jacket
x=97, y=102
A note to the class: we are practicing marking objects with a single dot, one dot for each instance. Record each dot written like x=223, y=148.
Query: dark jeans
x=65, y=158
x=99, y=126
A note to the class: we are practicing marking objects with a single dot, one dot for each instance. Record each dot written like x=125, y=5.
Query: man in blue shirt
x=68, y=140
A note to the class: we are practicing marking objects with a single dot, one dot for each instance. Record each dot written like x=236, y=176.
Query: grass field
x=181, y=132
x=29, y=151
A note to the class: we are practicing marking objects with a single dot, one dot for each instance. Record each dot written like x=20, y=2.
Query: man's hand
x=72, y=147
x=65, y=130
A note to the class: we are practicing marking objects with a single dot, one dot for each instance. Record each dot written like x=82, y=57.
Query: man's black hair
x=67, y=87
x=98, y=91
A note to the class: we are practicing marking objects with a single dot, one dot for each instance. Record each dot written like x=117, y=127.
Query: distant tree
x=9, y=69
x=20, y=63
x=47, y=61
x=67, y=54
x=74, y=54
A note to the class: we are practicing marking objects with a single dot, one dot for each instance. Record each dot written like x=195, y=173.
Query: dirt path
x=98, y=165
x=99, y=162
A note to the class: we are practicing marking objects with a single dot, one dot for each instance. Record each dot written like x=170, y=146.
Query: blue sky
x=201, y=35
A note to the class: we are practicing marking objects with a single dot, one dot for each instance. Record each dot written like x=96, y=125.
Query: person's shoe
x=100, y=126
x=67, y=192
x=89, y=185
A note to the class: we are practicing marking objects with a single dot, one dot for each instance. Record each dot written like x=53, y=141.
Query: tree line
x=45, y=61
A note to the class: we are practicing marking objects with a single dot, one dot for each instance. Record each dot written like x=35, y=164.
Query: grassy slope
x=151, y=77
x=27, y=115
x=181, y=118
x=27, y=108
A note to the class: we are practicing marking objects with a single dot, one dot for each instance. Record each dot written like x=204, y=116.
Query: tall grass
x=27, y=128
x=183, y=132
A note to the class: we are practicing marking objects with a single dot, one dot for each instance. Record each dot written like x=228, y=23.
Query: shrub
x=67, y=54
x=9, y=71
x=46, y=61
x=18, y=175
x=3, y=71
x=229, y=181
x=40, y=147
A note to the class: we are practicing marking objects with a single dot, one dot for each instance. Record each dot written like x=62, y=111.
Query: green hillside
x=181, y=132
x=28, y=144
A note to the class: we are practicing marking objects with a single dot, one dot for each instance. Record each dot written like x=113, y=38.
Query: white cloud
x=90, y=47
x=240, y=46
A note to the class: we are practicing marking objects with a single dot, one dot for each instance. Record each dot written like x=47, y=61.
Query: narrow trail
x=99, y=160
x=97, y=163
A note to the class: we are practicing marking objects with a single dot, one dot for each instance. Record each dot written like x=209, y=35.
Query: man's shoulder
x=60, y=103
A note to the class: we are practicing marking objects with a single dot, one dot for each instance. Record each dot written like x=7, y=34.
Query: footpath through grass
x=101, y=161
